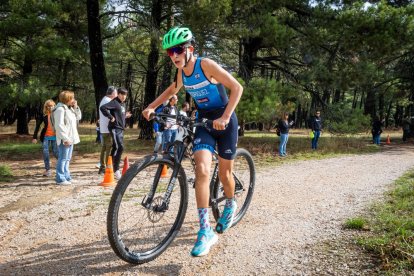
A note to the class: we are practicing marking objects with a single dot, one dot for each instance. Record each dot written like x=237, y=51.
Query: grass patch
x=264, y=147
x=6, y=174
x=392, y=228
x=355, y=223
x=16, y=150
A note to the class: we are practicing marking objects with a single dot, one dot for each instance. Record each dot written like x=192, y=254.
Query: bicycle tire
x=242, y=202
x=126, y=197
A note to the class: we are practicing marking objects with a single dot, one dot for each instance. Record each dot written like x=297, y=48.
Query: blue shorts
x=226, y=140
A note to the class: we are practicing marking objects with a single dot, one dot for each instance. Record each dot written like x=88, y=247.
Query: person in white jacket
x=65, y=119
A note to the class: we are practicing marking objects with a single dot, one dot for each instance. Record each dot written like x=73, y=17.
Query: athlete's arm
x=215, y=73
x=168, y=93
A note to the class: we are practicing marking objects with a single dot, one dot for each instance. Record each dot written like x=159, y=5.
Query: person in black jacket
x=283, y=127
x=376, y=130
x=115, y=111
x=47, y=135
x=316, y=126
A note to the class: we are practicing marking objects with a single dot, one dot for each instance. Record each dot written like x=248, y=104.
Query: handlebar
x=180, y=118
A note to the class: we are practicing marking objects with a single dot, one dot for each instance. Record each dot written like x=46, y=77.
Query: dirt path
x=62, y=230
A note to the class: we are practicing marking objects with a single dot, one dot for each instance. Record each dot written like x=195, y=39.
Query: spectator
x=283, y=127
x=316, y=126
x=406, y=124
x=47, y=135
x=65, y=118
x=158, y=128
x=116, y=112
x=106, y=138
x=376, y=131
x=185, y=107
x=168, y=135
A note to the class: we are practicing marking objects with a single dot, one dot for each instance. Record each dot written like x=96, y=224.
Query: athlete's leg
x=205, y=236
x=226, y=176
x=202, y=160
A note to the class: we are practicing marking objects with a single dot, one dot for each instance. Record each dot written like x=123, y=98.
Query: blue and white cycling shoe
x=226, y=219
x=205, y=239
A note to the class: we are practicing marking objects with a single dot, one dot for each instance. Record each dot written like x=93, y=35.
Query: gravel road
x=296, y=209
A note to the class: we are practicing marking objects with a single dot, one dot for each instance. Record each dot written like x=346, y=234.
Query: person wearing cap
x=206, y=82
x=115, y=111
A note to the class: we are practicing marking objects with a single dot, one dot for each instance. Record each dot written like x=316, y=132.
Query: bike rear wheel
x=244, y=174
x=137, y=231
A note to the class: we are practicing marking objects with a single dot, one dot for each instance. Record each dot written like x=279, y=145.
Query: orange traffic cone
x=388, y=140
x=126, y=165
x=109, y=175
x=164, y=171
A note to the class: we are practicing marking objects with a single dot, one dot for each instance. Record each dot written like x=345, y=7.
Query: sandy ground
x=296, y=207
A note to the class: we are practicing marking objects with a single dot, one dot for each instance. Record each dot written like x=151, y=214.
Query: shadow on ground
x=88, y=259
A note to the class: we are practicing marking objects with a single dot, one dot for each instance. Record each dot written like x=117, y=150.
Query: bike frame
x=183, y=140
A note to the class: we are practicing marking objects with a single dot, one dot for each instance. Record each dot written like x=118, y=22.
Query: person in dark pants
x=376, y=131
x=316, y=126
x=115, y=111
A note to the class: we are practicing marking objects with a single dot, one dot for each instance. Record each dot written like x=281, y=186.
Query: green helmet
x=176, y=36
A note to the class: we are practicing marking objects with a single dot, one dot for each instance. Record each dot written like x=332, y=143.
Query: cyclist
x=205, y=80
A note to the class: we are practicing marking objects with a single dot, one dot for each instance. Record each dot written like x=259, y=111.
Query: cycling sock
x=203, y=218
x=229, y=202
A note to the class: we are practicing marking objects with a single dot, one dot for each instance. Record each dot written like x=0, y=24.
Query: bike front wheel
x=244, y=175
x=139, y=226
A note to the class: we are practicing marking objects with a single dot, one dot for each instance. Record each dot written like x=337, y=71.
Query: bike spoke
x=142, y=229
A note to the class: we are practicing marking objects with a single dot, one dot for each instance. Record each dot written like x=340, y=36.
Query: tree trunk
x=369, y=108
x=387, y=116
x=128, y=86
x=247, y=54
x=381, y=105
x=100, y=82
x=152, y=71
x=355, y=99
x=337, y=96
x=362, y=99
x=22, y=125
x=22, y=118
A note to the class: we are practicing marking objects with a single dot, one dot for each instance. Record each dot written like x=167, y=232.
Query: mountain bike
x=149, y=203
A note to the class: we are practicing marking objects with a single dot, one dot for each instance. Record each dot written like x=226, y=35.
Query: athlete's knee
x=202, y=171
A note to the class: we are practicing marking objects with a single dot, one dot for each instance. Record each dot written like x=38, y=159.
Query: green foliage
x=265, y=100
x=341, y=118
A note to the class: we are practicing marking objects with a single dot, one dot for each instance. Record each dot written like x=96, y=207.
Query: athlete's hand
x=147, y=112
x=220, y=123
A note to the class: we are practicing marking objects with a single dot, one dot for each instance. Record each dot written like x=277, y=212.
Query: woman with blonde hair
x=47, y=135
x=66, y=115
